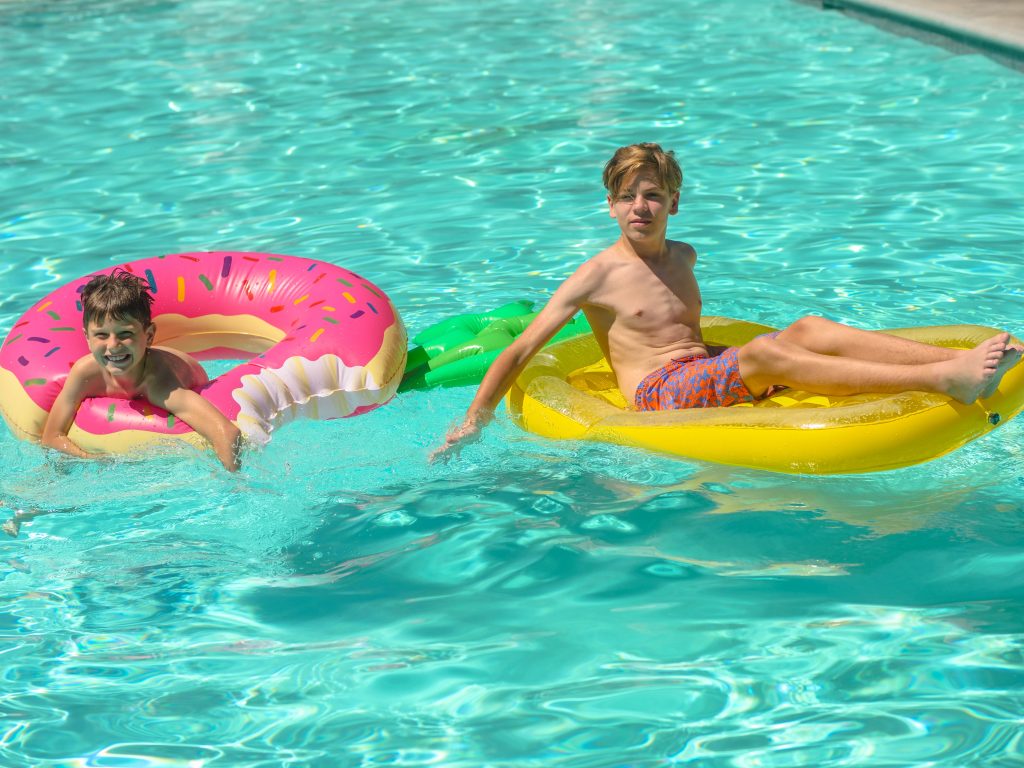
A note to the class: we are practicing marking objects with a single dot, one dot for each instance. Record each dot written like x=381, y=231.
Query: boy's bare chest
x=641, y=297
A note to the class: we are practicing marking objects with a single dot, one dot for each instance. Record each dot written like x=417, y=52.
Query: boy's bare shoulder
x=614, y=253
x=171, y=368
x=684, y=251
x=86, y=377
x=610, y=259
x=589, y=269
x=594, y=273
x=169, y=356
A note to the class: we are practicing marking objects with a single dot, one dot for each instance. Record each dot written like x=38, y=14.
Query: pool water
x=340, y=602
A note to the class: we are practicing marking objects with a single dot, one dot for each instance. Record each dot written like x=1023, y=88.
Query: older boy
x=123, y=363
x=642, y=300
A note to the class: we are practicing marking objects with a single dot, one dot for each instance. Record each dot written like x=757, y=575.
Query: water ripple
x=340, y=602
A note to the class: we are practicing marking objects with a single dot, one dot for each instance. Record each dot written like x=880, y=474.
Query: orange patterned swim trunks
x=694, y=382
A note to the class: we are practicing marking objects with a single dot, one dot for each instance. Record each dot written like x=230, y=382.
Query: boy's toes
x=1009, y=358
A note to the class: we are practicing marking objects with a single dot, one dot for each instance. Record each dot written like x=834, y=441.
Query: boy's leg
x=826, y=337
x=768, y=361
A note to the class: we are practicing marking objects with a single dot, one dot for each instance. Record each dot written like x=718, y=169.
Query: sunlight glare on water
x=340, y=602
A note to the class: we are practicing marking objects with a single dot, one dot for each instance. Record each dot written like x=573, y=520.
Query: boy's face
x=642, y=207
x=119, y=346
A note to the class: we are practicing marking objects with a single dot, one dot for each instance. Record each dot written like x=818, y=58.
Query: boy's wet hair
x=119, y=295
x=627, y=162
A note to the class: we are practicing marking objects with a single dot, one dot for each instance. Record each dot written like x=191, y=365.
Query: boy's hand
x=457, y=439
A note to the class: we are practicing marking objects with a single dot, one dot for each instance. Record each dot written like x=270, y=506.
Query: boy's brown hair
x=628, y=161
x=119, y=295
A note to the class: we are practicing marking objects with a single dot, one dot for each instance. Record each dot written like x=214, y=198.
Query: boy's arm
x=206, y=419
x=564, y=303
x=62, y=414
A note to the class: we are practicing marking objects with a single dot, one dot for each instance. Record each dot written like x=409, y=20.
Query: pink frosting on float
x=325, y=313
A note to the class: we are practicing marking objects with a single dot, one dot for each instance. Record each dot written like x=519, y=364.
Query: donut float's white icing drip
x=321, y=389
x=325, y=388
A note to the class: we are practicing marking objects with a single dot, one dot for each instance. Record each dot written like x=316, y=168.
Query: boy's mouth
x=118, y=359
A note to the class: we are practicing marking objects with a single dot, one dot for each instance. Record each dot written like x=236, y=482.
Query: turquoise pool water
x=342, y=603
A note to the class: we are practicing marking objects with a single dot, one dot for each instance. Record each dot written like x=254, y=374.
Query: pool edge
x=954, y=31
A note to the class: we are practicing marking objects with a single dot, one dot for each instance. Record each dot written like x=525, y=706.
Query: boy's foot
x=1011, y=356
x=977, y=371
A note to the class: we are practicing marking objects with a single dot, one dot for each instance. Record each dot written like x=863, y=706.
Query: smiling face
x=642, y=207
x=119, y=345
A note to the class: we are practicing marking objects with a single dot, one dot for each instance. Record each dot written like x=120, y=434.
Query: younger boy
x=642, y=300
x=123, y=363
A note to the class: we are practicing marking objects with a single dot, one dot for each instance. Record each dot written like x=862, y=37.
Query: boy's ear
x=675, y=204
x=611, y=206
x=150, y=333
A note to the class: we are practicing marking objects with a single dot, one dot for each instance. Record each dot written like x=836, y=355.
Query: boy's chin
x=119, y=367
x=639, y=235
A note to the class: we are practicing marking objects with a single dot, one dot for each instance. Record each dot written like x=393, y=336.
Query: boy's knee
x=808, y=325
x=760, y=350
x=759, y=361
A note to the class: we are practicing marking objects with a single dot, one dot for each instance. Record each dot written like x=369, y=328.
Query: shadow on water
x=519, y=527
x=534, y=598
x=597, y=525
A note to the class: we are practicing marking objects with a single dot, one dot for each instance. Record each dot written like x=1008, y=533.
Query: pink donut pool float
x=316, y=340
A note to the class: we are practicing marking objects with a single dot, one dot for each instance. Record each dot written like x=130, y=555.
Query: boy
x=116, y=315
x=642, y=300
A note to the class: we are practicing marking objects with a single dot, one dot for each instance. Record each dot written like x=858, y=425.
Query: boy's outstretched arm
x=206, y=419
x=564, y=303
x=62, y=415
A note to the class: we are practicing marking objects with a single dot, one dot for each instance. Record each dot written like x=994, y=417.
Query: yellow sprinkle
x=351, y=299
x=273, y=280
x=328, y=309
x=44, y=306
x=316, y=335
x=181, y=288
x=301, y=299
